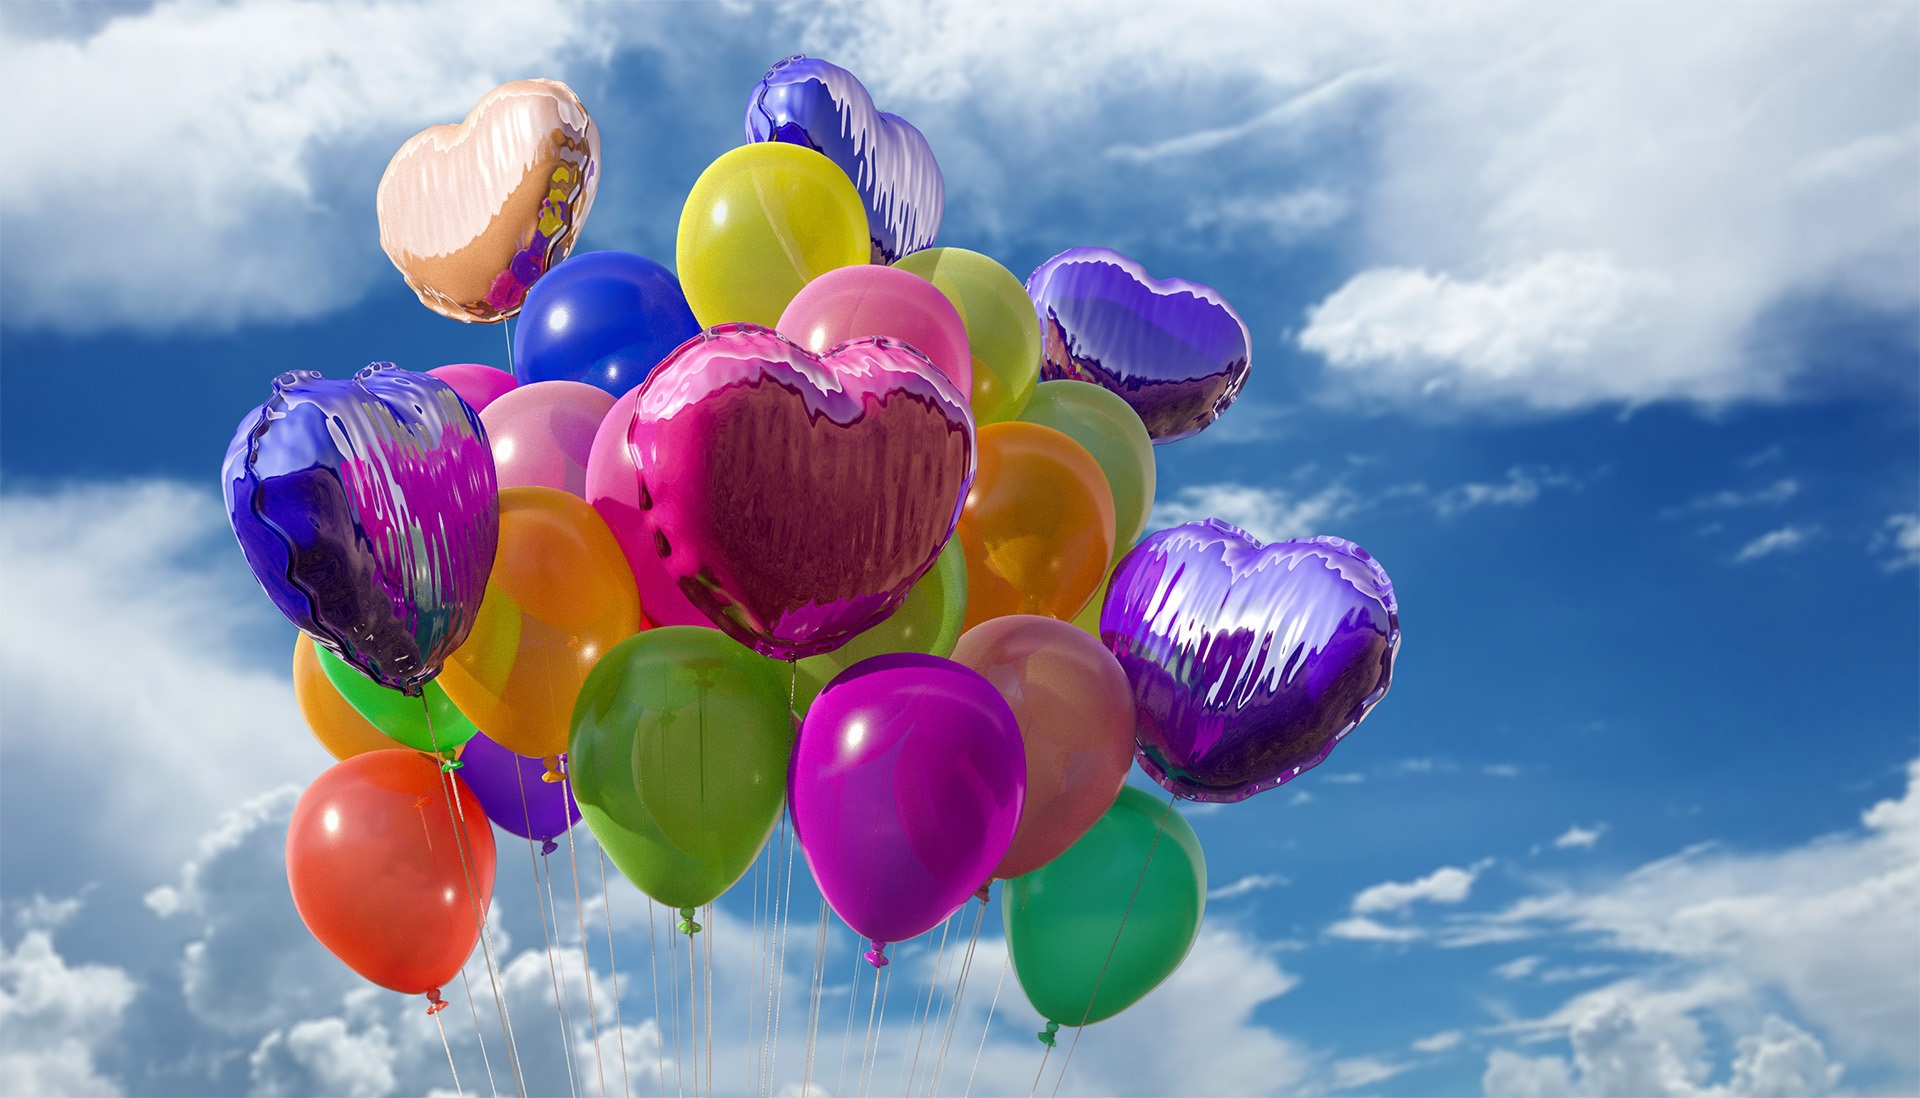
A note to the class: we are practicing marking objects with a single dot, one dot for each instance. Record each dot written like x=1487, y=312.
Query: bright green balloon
x=1111, y=431
x=681, y=738
x=402, y=718
x=928, y=621
x=1061, y=918
x=1002, y=327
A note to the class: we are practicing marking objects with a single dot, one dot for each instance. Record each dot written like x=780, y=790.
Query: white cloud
x=323, y=1056
x=1902, y=538
x=1580, y=838
x=1521, y=488
x=1439, y=1042
x=1780, y=491
x=56, y=1019
x=1253, y=882
x=1446, y=885
x=1787, y=539
x=1269, y=514
x=1359, y=928
x=1519, y=968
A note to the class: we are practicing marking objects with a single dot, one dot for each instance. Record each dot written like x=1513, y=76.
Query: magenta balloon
x=542, y=433
x=906, y=789
x=793, y=499
x=478, y=385
x=613, y=487
x=866, y=300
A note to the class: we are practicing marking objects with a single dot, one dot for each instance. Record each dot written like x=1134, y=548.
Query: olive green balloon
x=1061, y=918
x=678, y=757
x=928, y=621
x=402, y=718
x=1002, y=327
x=1089, y=616
x=1111, y=431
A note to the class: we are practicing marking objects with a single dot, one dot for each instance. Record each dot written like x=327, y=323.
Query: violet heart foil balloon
x=367, y=510
x=515, y=794
x=794, y=500
x=1173, y=349
x=1248, y=662
x=806, y=101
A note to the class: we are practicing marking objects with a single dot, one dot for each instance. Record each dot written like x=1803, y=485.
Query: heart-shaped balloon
x=794, y=500
x=1248, y=663
x=806, y=101
x=473, y=214
x=366, y=510
x=1173, y=349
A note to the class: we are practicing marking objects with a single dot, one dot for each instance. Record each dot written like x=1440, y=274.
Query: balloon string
x=755, y=944
x=673, y=978
x=619, y=1025
x=479, y=1038
x=933, y=984
x=552, y=911
x=580, y=915
x=886, y=990
x=443, y=1044
x=953, y=1006
x=653, y=967
x=504, y=327
x=546, y=934
x=1162, y=830
x=1005, y=963
x=813, y=1000
x=866, y=1047
x=711, y=931
x=693, y=1008
x=846, y=1039
x=780, y=963
x=473, y=896
x=772, y=939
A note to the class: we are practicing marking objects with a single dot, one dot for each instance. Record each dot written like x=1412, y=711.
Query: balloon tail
x=435, y=1004
x=877, y=956
x=1046, y=1035
x=553, y=773
x=449, y=764
x=687, y=924
x=547, y=847
x=985, y=895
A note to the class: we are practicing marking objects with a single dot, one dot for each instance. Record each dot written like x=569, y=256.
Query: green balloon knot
x=1046, y=1035
x=687, y=925
x=449, y=764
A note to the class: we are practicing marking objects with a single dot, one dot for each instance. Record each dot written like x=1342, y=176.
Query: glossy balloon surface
x=604, y=319
x=514, y=792
x=1038, y=525
x=613, y=487
x=542, y=434
x=853, y=302
x=1002, y=330
x=927, y=622
x=1111, y=431
x=425, y=722
x=476, y=384
x=334, y=721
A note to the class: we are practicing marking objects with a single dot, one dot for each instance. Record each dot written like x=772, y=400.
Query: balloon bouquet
x=836, y=522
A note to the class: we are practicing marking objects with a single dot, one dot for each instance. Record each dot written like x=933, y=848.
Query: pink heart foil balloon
x=795, y=499
x=543, y=433
x=613, y=487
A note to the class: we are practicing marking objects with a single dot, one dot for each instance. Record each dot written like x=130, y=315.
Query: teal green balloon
x=1061, y=918
x=1111, y=431
x=402, y=718
x=678, y=756
x=927, y=622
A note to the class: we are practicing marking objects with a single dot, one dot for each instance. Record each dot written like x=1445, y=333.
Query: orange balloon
x=560, y=595
x=1037, y=527
x=335, y=722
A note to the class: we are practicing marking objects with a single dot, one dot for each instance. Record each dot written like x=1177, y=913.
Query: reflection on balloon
x=1002, y=331
x=542, y=434
x=1114, y=435
x=613, y=487
x=853, y=302
x=1038, y=525
x=927, y=622
x=604, y=319
x=478, y=385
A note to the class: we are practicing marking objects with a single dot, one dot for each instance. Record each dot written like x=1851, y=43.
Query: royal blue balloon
x=604, y=318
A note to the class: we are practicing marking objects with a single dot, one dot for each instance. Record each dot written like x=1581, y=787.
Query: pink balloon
x=613, y=487
x=478, y=385
x=867, y=300
x=542, y=434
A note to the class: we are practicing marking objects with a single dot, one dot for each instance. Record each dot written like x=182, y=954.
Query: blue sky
x=1595, y=324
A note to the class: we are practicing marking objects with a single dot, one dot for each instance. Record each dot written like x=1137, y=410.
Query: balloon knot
x=984, y=896
x=687, y=925
x=1046, y=1035
x=449, y=764
x=547, y=847
x=877, y=956
x=435, y=1004
x=553, y=773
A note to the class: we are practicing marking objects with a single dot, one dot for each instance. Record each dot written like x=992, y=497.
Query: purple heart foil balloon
x=1248, y=662
x=795, y=500
x=1173, y=349
x=806, y=101
x=367, y=510
x=514, y=793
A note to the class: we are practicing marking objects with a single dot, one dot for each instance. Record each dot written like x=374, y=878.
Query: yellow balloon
x=761, y=222
x=560, y=595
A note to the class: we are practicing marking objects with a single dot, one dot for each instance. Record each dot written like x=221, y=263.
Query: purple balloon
x=906, y=788
x=513, y=794
x=1173, y=349
x=1248, y=662
x=367, y=510
x=806, y=101
x=795, y=500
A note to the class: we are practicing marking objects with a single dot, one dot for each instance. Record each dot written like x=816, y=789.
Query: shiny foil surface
x=1248, y=663
x=1173, y=349
x=806, y=101
x=792, y=499
x=366, y=508
x=474, y=213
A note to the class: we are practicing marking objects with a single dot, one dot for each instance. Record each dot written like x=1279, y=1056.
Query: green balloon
x=1061, y=918
x=928, y=621
x=678, y=757
x=402, y=718
x=1003, y=330
x=1111, y=431
x=1089, y=616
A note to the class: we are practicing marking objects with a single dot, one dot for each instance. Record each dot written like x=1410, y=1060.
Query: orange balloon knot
x=687, y=925
x=553, y=774
x=877, y=956
x=548, y=847
x=435, y=1004
x=1046, y=1035
x=984, y=896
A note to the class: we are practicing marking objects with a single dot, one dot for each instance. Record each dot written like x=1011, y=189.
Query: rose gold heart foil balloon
x=472, y=214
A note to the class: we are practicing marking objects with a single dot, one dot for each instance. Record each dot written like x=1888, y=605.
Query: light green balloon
x=928, y=622
x=678, y=757
x=1003, y=329
x=1061, y=919
x=1111, y=431
x=402, y=718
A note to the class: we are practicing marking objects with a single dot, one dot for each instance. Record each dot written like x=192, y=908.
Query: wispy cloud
x=1780, y=491
x=1900, y=541
x=1580, y=838
x=1787, y=539
x=1269, y=514
x=1439, y=1042
x=1253, y=882
x=1359, y=928
x=1521, y=487
x=1519, y=968
x=1446, y=885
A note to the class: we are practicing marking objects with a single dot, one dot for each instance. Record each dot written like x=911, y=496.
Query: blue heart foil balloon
x=1248, y=662
x=806, y=101
x=367, y=509
x=1173, y=349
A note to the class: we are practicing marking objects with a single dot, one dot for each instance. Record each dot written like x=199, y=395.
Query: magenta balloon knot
x=435, y=1004
x=877, y=956
x=1046, y=1035
x=547, y=847
x=687, y=925
x=984, y=895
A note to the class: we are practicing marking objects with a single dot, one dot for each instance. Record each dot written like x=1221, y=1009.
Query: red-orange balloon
x=335, y=722
x=1037, y=527
x=389, y=871
x=1076, y=718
